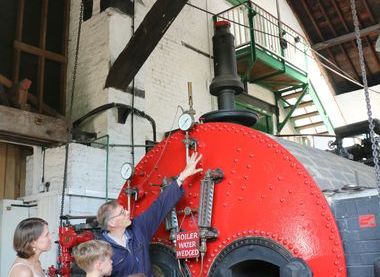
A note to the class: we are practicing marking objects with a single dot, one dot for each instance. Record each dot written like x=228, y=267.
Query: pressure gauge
x=126, y=171
x=186, y=121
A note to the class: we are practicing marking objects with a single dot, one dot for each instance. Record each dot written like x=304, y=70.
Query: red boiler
x=265, y=209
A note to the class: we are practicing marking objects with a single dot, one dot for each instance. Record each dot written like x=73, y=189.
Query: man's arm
x=150, y=220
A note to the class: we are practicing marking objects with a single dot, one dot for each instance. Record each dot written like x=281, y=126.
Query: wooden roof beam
x=342, y=48
x=345, y=38
x=341, y=17
x=371, y=44
x=309, y=14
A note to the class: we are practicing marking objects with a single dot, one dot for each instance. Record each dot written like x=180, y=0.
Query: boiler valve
x=68, y=238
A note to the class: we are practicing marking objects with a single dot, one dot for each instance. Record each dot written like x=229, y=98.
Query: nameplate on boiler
x=187, y=245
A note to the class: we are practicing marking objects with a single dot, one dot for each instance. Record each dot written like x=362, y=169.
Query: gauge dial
x=126, y=171
x=186, y=121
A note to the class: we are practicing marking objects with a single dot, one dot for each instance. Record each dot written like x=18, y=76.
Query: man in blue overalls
x=130, y=239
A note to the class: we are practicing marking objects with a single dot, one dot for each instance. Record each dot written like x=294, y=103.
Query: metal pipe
x=107, y=137
x=227, y=82
x=128, y=109
x=226, y=100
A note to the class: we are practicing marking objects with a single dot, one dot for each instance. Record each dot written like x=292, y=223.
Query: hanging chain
x=70, y=115
x=374, y=144
x=74, y=76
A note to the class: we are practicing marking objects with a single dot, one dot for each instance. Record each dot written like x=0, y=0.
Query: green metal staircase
x=274, y=56
x=303, y=107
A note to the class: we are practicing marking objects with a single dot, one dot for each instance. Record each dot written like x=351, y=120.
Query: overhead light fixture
x=377, y=45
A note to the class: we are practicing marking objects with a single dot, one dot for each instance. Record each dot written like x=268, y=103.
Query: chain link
x=74, y=75
x=374, y=143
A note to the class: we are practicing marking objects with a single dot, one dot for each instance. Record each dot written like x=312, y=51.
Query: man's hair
x=27, y=231
x=87, y=253
x=104, y=213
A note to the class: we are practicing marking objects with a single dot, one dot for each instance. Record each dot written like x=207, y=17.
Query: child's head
x=94, y=255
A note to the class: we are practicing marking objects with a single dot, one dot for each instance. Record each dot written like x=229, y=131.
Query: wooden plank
x=63, y=92
x=5, y=81
x=305, y=104
x=32, y=128
x=41, y=59
x=40, y=83
x=39, y=52
x=292, y=95
x=306, y=115
x=3, y=159
x=10, y=178
x=43, y=25
x=311, y=125
x=20, y=19
x=17, y=53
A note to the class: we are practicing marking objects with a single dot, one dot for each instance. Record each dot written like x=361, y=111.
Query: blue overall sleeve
x=150, y=220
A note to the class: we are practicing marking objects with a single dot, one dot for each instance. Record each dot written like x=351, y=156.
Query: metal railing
x=272, y=36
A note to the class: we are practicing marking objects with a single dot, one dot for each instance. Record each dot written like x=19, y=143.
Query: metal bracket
x=191, y=143
x=132, y=192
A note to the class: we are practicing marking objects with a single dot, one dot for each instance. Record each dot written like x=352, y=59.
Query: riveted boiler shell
x=266, y=192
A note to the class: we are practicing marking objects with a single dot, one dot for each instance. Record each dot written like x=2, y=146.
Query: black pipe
x=123, y=110
x=226, y=83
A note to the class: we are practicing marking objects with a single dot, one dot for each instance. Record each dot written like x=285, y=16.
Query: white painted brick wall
x=355, y=101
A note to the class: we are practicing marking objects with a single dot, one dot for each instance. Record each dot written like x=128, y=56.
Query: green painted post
x=322, y=112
